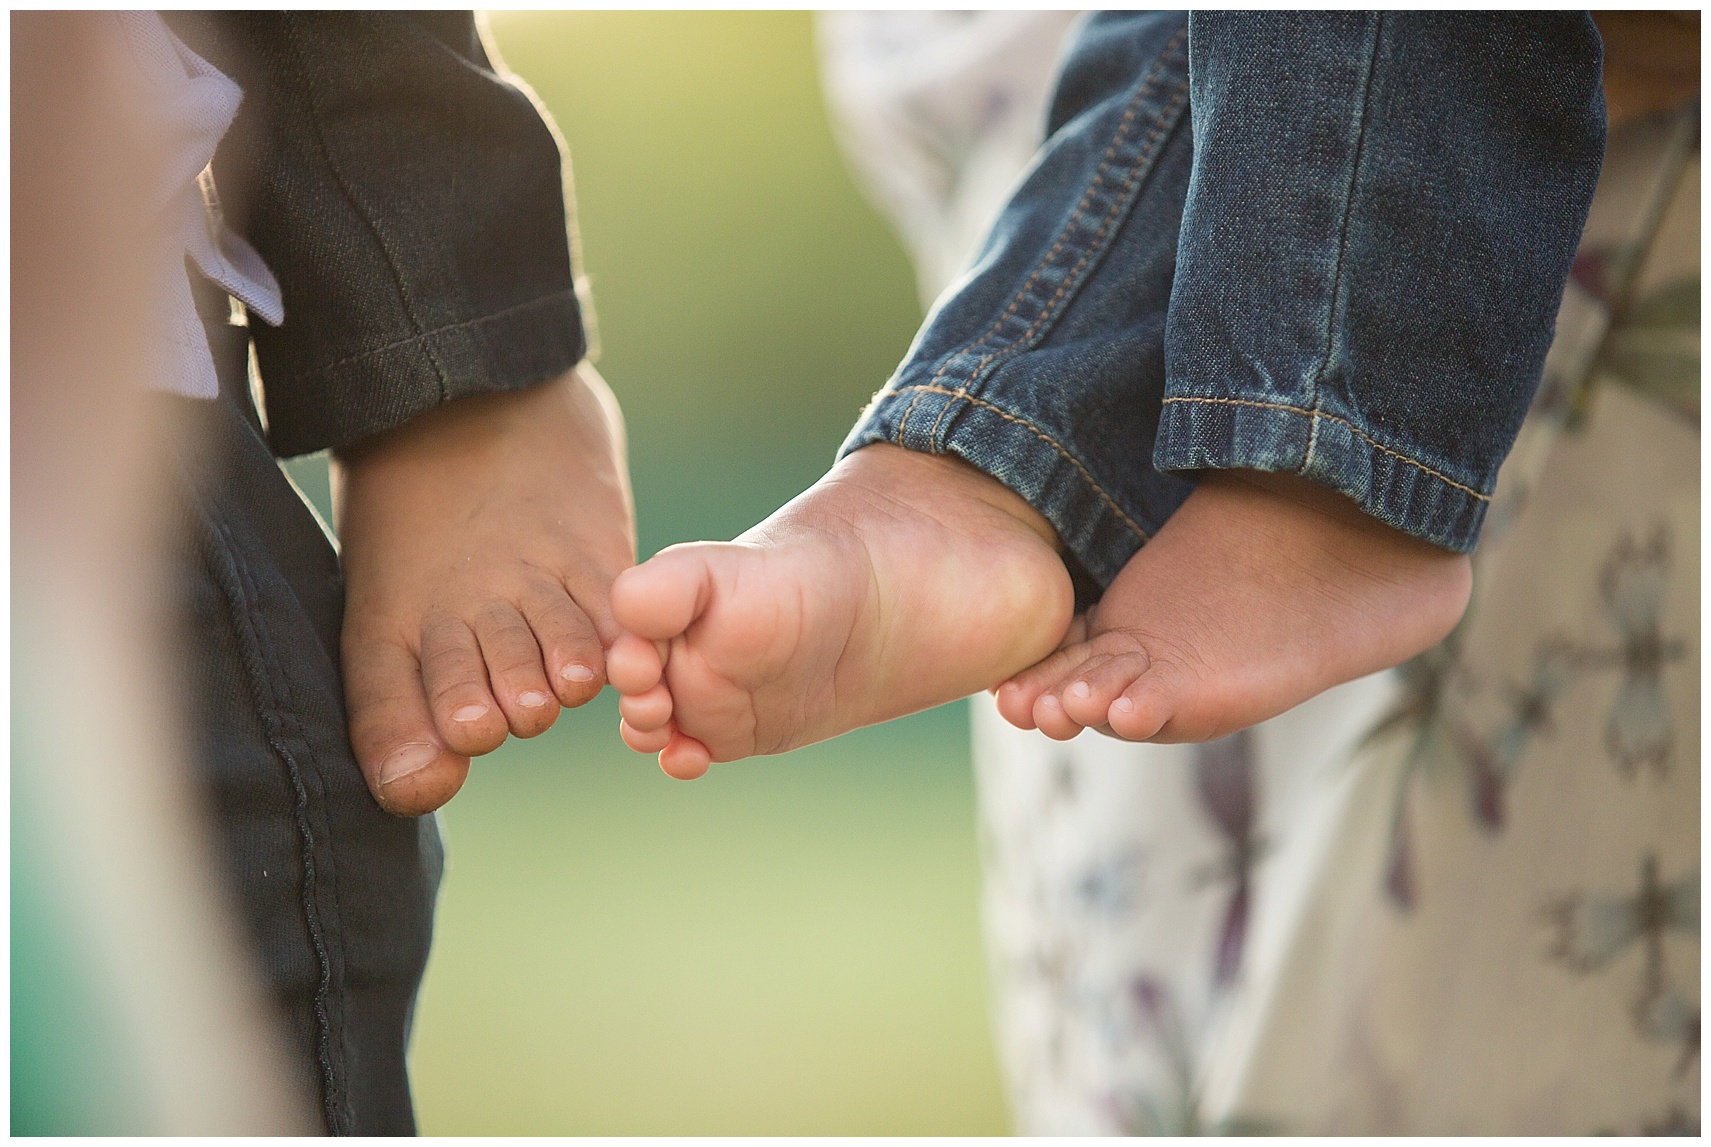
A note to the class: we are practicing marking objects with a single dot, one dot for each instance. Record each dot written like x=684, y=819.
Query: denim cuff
x=1091, y=519
x=1288, y=279
x=1205, y=433
x=1384, y=210
x=1044, y=365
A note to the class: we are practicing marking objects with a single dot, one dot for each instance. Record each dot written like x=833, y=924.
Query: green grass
x=790, y=945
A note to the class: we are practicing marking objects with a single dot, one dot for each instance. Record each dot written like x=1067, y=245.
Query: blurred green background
x=791, y=944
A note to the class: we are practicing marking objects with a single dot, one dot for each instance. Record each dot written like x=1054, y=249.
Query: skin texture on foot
x=1261, y=591
x=479, y=544
x=897, y=582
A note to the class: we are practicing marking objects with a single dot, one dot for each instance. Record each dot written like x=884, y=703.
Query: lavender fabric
x=192, y=105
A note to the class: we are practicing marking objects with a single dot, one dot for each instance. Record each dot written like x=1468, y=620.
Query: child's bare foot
x=479, y=542
x=1261, y=591
x=898, y=581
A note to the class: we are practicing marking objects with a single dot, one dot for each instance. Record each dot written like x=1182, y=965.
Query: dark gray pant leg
x=338, y=896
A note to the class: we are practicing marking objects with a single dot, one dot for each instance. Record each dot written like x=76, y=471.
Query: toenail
x=575, y=672
x=1081, y=689
x=532, y=700
x=1050, y=702
x=1123, y=705
x=469, y=712
x=407, y=759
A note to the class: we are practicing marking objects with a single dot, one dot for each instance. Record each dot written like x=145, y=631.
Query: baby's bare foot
x=897, y=582
x=480, y=541
x=1262, y=591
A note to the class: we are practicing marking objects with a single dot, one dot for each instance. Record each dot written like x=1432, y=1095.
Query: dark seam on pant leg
x=327, y=875
x=228, y=574
x=362, y=212
x=316, y=375
x=1098, y=245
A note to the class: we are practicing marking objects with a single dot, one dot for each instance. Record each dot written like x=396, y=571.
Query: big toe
x=406, y=763
x=425, y=786
x=661, y=597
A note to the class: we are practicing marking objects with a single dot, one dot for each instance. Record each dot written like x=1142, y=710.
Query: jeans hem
x=1199, y=433
x=1016, y=451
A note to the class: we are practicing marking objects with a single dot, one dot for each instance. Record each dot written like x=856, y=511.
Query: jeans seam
x=1071, y=279
x=363, y=214
x=1318, y=375
x=229, y=574
x=1087, y=475
x=1363, y=435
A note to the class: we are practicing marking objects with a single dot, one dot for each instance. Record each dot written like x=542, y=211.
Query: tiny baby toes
x=685, y=758
x=899, y=581
x=1099, y=683
x=634, y=664
x=1050, y=718
x=649, y=741
x=648, y=710
x=1019, y=698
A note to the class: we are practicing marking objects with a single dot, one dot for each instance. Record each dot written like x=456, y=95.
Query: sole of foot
x=897, y=582
x=1260, y=592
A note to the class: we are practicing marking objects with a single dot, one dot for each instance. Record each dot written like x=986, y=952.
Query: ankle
x=892, y=469
x=1265, y=487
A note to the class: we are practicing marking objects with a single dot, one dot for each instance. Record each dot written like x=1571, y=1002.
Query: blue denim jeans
x=1328, y=244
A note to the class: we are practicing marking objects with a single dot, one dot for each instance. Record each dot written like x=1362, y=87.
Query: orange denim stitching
x=1063, y=237
x=1316, y=414
x=1044, y=437
x=903, y=426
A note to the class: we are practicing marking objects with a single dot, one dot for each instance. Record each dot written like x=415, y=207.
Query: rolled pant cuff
x=1204, y=433
x=1092, y=522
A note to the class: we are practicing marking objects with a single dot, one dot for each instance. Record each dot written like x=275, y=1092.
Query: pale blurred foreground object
x=132, y=1011
x=939, y=113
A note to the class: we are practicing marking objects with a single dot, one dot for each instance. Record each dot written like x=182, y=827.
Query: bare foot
x=1262, y=591
x=479, y=542
x=897, y=582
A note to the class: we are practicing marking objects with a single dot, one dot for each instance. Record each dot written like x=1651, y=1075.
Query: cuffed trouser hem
x=1046, y=366
x=1206, y=433
x=374, y=392
x=1093, y=524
